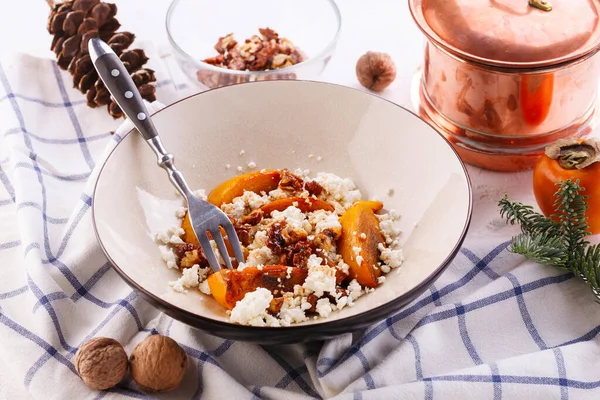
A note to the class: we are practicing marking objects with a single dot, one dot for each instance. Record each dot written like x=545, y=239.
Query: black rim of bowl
x=293, y=333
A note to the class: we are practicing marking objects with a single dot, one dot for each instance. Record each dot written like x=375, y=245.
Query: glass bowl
x=195, y=26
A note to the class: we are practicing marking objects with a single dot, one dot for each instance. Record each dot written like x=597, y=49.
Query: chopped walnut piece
x=290, y=182
x=296, y=57
x=254, y=217
x=275, y=305
x=291, y=236
x=313, y=188
x=281, y=60
x=275, y=240
x=340, y=276
x=258, y=53
x=268, y=33
x=297, y=255
x=225, y=43
x=312, y=299
x=326, y=240
x=301, y=253
x=262, y=58
x=243, y=232
x=190, y=254
x=235, y=61
x=217, y=60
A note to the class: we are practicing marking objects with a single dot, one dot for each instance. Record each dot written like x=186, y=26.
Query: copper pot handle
x=543, y=5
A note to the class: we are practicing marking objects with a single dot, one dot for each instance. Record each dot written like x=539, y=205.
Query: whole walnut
x=158, y=364
x=101, y=363
x=375, y=71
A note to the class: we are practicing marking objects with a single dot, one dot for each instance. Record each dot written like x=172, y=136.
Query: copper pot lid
x=511, y=33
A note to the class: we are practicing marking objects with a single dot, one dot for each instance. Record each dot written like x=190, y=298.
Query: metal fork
x=204, y=216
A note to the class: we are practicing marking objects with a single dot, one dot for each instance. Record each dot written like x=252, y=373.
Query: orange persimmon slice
x=359, y=240
x=228, y=286
x=259, y=181
x=304, y=204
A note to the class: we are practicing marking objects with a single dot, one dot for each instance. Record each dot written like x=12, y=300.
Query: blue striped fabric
x=492, y=327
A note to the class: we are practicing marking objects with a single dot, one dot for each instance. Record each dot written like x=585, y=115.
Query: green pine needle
x=531, y=221
x=543, y=249
x=559, y=241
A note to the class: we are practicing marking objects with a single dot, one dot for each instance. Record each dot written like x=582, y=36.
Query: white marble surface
x=378, y=25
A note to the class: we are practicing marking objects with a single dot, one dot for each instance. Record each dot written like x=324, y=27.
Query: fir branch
x=570, y=206
x=543, y=249
x=585, y=266
x=559, y=241
x=531, y=222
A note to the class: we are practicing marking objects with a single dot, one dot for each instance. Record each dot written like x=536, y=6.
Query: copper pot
x=502, y=79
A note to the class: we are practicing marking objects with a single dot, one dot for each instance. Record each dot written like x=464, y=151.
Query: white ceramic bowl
x=278, y=124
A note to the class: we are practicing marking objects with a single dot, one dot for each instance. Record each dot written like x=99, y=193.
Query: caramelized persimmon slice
x=259, y=181
x=228, y=286
x=304, y=204
x=190, y=237
x=359, y=240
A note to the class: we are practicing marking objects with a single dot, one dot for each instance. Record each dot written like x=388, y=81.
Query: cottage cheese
x=292, y=310
x=338, y=190
x=322, y=220
x=201, y=193
x=277, y=194
x=358, y=257
x=252, y=309
x=387, y=224
x=204, y=288
x=320, y=282
x=341, y=302
x=354, y=291
x=320, y=279
x=392, y=258
x=170, y=236
x=189, y=278
x=180, y=212
x=294, y=218
x=169, y=257
x=324, y=307
x=260, y=256
x=345, y=268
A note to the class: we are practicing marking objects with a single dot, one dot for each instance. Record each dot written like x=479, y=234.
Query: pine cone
x=73, y=24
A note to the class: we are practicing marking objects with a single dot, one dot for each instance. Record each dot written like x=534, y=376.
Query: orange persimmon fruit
x=574, y=159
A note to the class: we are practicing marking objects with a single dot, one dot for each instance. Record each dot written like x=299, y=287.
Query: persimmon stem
x=574, y=153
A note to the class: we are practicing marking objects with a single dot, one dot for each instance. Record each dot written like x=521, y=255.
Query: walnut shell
x=158, y=364
x=101, y=363
x=375, y=71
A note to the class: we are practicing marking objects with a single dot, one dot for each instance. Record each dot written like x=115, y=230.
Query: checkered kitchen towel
x=492, y=327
